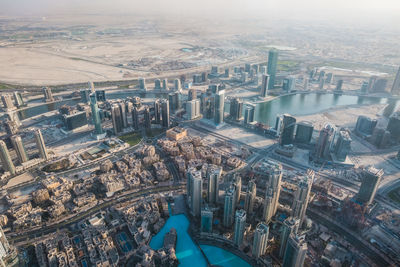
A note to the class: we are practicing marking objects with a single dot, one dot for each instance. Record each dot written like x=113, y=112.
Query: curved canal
x=265, y=112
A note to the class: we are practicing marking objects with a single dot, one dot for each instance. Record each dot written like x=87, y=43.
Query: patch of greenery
x=132, y=139
x=287, y=65
x=154, y=132
x=394, y=195
x=76, y=58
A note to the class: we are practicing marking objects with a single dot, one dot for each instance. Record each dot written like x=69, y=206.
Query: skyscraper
x=364, y=87
x=48, y=95
x=274, y=183
x=229, y=205
x=91, y=87
x=268, y=210
x=236, y=109
x=124, y=118
x=370, y=180
x=396, y=84
x=295, y=253
x=165, y=84
x=95, y=114
x=289, y=84
x=157, y=111
x=157, y=84
x=339, y=86
x=304, y=132
x=250, y=197
x=287, y=130
x=193, y=109
x=265, y=78
x=6, y=161
x=192, y=94
x=196, y=186
x=302, y=196
x=177, y=85
x=249, y=114
x=85, y=93
x=272, y=67
x=289, y=227
x=219, y=107
x=329, y=77
x=237, y=181
x=100, y=95
x=326, y=137
x=147, y=117
x=116, y=118
x=7, y=102
x=165, y=113
x=206, y=220
x=240, y=224
x=19, y=101
x=19, y=148
x=142, y=84
x=213, y=175
x=135, y=118
x=342, y=147
x=260, y=240
x=41, y=145
x=4, y=246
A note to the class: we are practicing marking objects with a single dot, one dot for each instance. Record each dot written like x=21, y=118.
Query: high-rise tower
x=219, y=102
x=19, y=148
x=240, y=225
x=250, y=197
x=371, y=178
x=213, y=175
x=396, y=84
x=295, y=253
x=289, y=227
x=195, y=191
x=165, y=113
x=6, y=161
x=116, y=118
x=95, y=114
x=260, y=240
x=229, y=205
x=272, y=67
x=302, y=196
x=41, y=145
x=264, y=85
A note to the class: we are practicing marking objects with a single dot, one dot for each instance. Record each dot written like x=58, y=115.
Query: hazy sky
x=372, y=11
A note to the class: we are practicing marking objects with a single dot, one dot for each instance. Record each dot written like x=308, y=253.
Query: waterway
x=188, y=254
x=306, y=104
x=295, y=104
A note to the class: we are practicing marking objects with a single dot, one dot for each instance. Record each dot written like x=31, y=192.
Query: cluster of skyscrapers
x=19, y=148
x=292, y=246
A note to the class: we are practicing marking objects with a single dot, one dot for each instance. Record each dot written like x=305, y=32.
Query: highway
x=353, y=237
x=78, y=217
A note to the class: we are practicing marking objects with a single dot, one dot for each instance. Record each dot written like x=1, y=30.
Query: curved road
x=54, y=227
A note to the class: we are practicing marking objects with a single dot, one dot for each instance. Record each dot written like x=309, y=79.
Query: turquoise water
x=220, y=257
x=188, y=253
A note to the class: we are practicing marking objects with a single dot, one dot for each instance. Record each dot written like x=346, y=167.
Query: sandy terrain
x=26, y=177
x=342, y=116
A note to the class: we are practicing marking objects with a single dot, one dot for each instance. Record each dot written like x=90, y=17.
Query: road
x=353, y=237
x=118, y=198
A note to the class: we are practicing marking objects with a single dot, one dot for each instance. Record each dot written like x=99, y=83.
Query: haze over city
x=199, y=133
